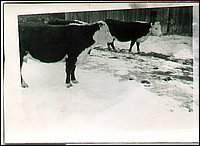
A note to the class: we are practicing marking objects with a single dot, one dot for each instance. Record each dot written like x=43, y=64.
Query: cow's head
x=102, y=36
x=156, y=29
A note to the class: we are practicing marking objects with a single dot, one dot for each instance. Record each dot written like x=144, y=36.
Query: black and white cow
x=52, y=43
x=132, y=31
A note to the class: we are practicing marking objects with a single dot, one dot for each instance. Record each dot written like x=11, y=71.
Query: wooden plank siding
x=38, y=18
x=174, y=20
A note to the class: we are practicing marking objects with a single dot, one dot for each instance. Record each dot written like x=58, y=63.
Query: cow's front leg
x=108, y=45
x=131, y=45
x=112, y=45
x=70, y=64
x=73, y=78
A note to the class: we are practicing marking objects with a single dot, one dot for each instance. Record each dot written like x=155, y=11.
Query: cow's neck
x=82, y=57
x=143, y=38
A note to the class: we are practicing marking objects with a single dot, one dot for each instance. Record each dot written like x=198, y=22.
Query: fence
x=174, y=20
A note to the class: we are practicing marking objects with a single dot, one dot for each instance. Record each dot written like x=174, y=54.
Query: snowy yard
x=165, y=67
x=121, y=97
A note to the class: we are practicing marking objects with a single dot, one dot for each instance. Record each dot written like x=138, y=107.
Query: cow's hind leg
x=70, y=66
x=138, y=47
x=23, y=83
x=131, y=45
x=73, y=78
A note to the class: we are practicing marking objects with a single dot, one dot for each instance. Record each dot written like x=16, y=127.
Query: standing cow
x=52, y=43
x=132, y=31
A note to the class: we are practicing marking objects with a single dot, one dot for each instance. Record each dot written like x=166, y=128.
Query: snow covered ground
x=121, y=97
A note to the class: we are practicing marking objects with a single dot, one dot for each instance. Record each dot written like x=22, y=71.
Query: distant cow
x=132, y=31
x=52, y=43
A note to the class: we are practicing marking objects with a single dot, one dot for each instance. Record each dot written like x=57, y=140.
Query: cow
x=132, y=31
x=53, y=43
x=66, y=22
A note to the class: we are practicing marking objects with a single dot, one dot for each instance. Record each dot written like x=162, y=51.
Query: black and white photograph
x=100, y=73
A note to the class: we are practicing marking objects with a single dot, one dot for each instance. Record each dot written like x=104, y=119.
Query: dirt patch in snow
x=161, y=73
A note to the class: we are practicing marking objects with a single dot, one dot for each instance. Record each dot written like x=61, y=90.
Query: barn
x=174, y=20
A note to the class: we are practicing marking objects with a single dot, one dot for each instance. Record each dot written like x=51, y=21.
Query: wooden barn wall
x=174, y=20
x=39, y=18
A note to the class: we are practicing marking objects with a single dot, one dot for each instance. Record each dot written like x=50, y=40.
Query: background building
x=174, y=20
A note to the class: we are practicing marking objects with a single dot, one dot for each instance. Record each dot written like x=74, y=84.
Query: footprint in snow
x=146, y=83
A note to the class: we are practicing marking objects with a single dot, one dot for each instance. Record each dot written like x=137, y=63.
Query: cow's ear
x=101, y=24
x=157, y=23
x=150, y=29
x=151, y=24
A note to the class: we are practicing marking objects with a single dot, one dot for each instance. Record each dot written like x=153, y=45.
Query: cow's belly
x=43, y=59
x=123, y=39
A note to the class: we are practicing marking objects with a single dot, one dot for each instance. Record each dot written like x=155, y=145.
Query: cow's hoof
x=68, y=85
x=75, y=81
x=24, y=85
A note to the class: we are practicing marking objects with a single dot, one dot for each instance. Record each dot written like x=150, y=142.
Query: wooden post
x=153, y=16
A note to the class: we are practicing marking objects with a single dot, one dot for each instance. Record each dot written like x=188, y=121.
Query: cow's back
x=50, y=43
x=126, y=31
x=63, y=22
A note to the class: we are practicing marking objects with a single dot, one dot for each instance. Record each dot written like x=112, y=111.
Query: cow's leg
x=111, y=44
x=70, y=65
x=138, y=47
x=23, y=83
x=89, y=52
x=131, y=45
x=108, y=45
x=73, y=78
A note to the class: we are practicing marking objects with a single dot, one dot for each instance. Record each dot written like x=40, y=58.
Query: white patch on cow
x=64, y=59
x=102, y=36
x=28, y=56
x=143, y=38
x=82, y=22
x=155, y=30
x=141, y=21
x=83, y=56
